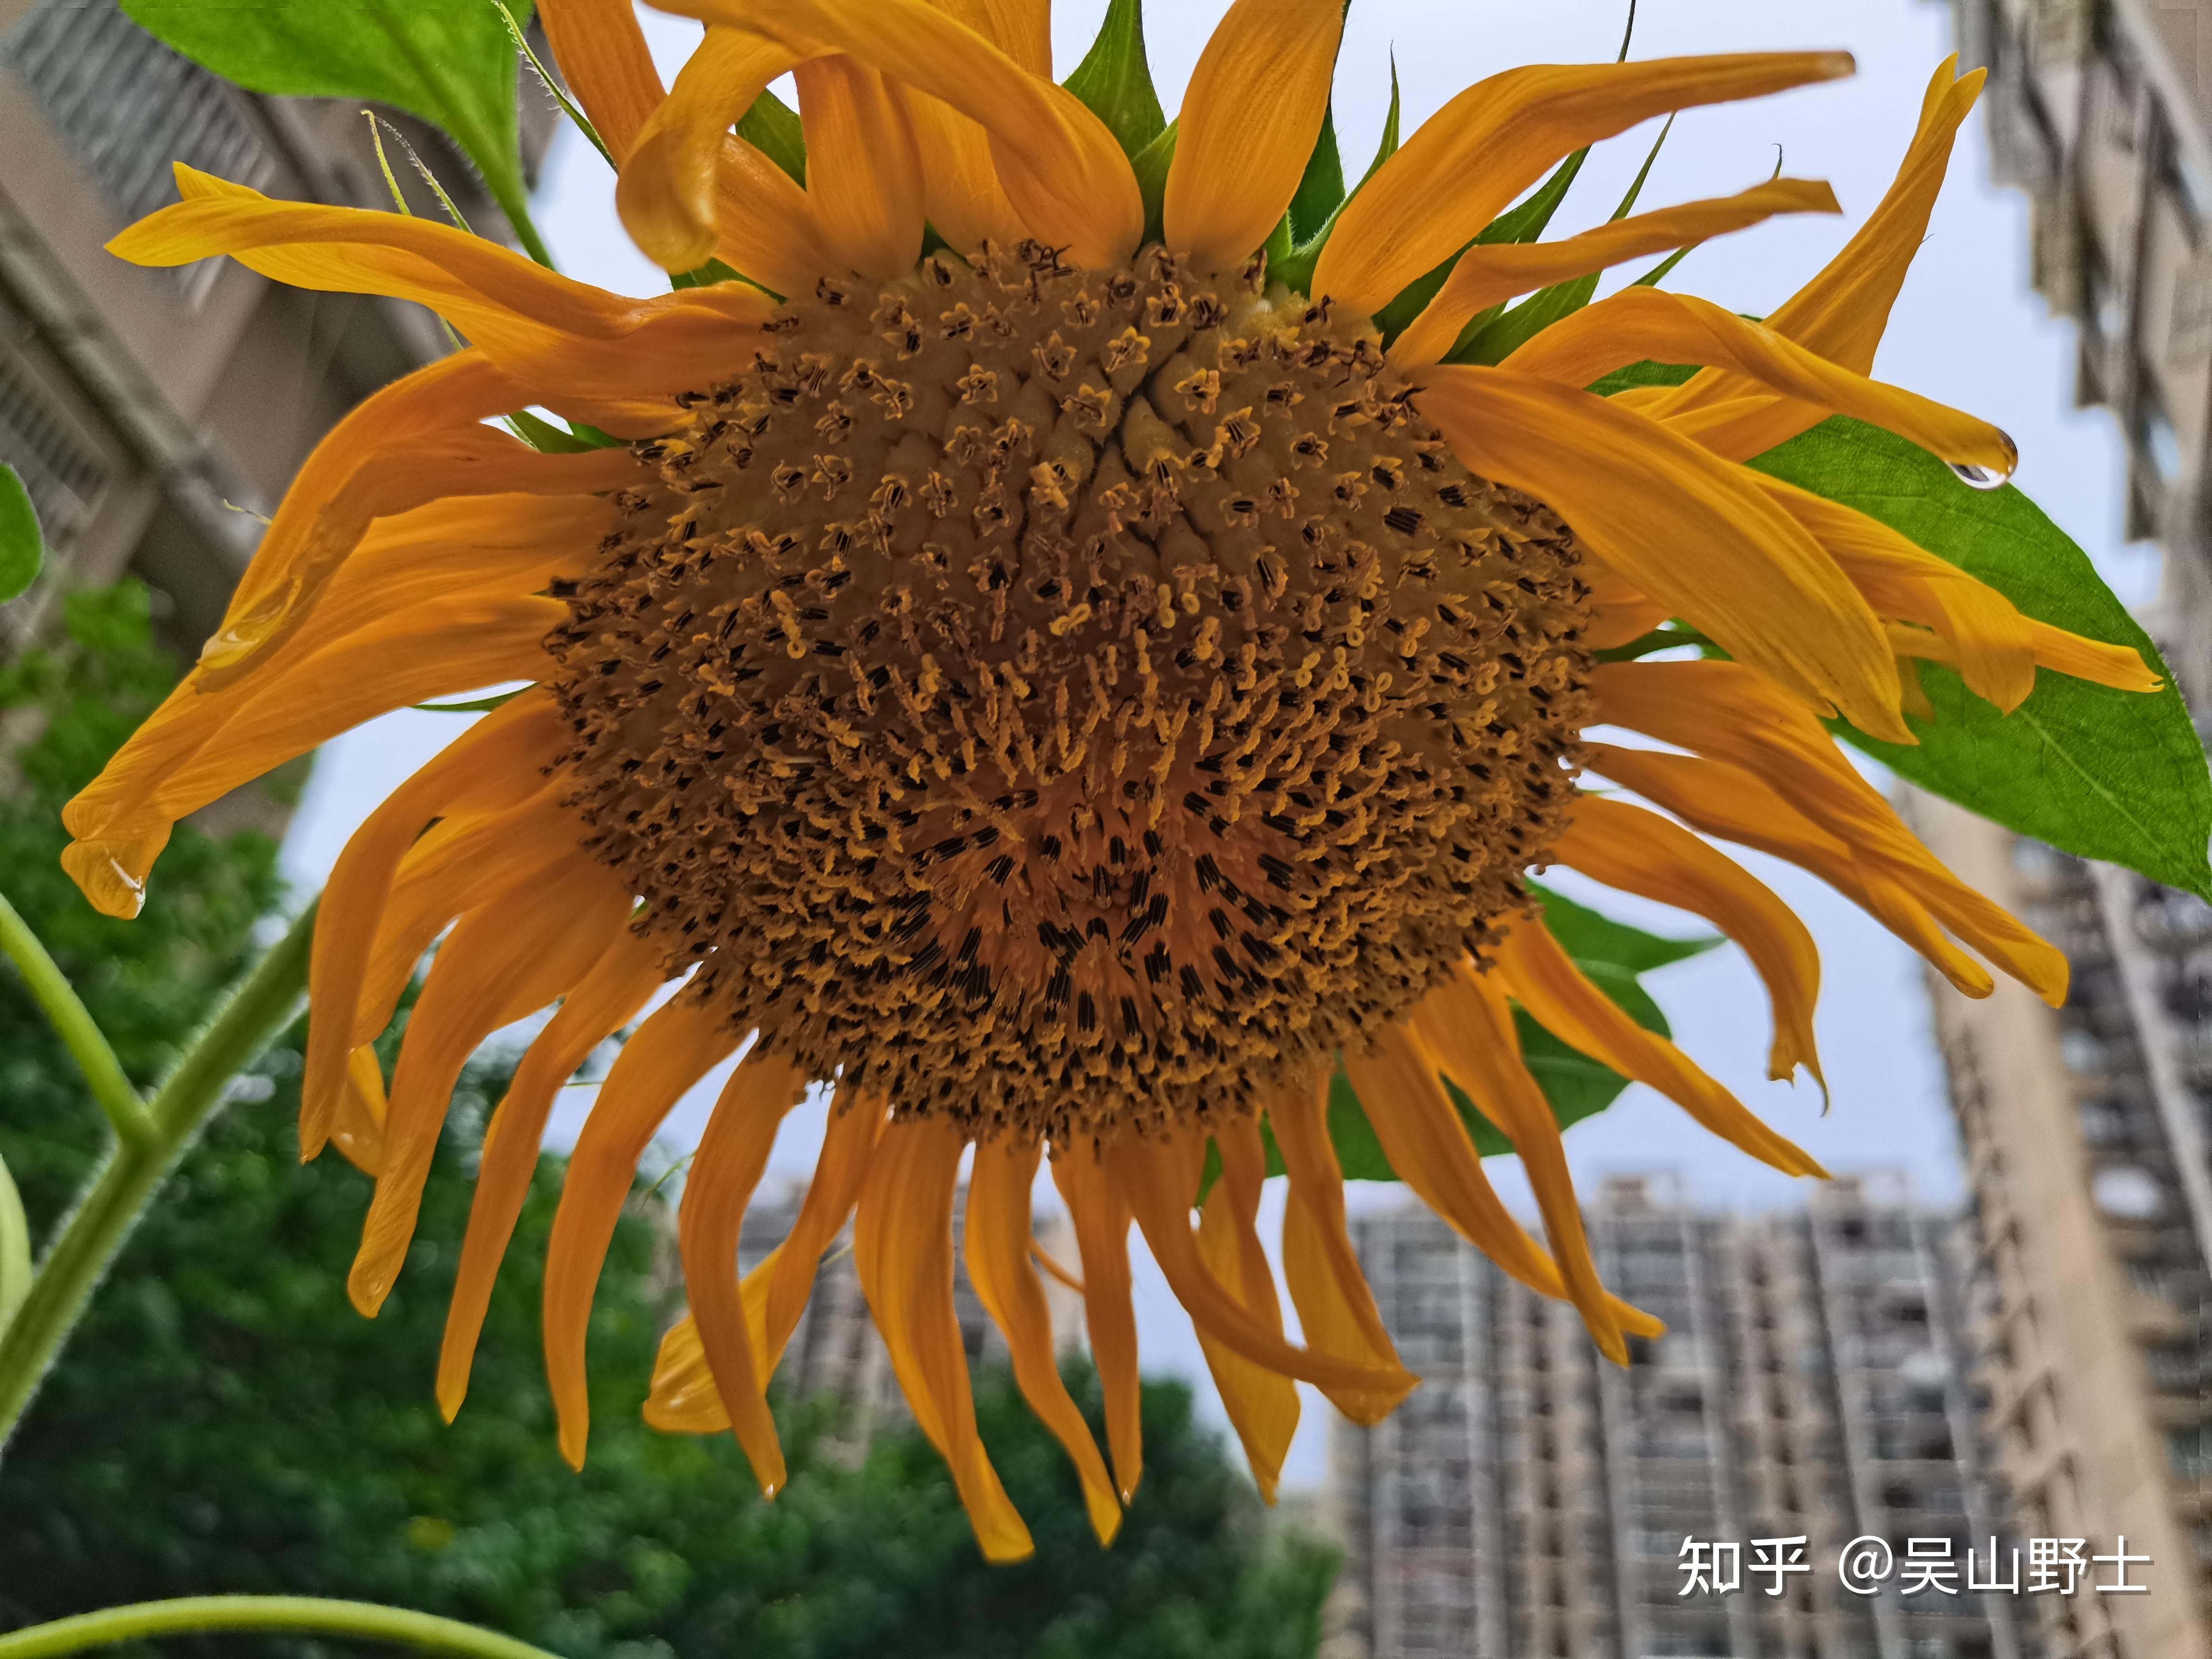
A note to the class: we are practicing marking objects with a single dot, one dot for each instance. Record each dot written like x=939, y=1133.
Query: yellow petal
x=1488, y=273
x=966, y=205
x=606, y=999
x=863, y=171
x=603, y=57
x=1249, y=118
x=1640, y=324
x=764, y=222
x=1262, y=1404
x=1641, y=852
x=732, y=1153
x=505, y=960
x=998, y=1249
x=359, y=1132
x=1561, y=998
x=1336, y=1308
x=903, y=1246
x=1467, y=1029
x=672, y=1050
x=1463, y=164
x=1101, y=1216
x=1696, y=534
x=1060, y=165
x=667, y=192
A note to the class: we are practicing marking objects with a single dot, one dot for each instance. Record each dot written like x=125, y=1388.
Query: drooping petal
x=1249, y=118
x=1463, y=164
x=1060, y=168
x=732, y=1152
x=1429, y=1146
x=607, y=997
x=1490, y=272
x=602, y=55
x=1640, y=324
x=1101, y=1214
x=863, y=170
x=1467, y=1027
x=1560, y=998
x=496, y=764
x=1262, y=1404
x=903, y=1246
x=1693, y=532
x=358, y=1131
x=1336, y=1308
x=1639, y=852
x=967, y=204
x=504, y=961
x=1726, y=711
x=679, y=1045
x=998, y=1247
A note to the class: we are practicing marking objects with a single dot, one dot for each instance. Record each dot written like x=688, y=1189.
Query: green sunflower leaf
x=1613, y=954
x=22, y=548
x=1150, y=165
x=542, y=435
x=1115, y=83
x=453, y=64
x=771, y=126
x=2115, y=775
x=1320, y=190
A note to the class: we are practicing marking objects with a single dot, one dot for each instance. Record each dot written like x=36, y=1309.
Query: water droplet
x=1978, y=477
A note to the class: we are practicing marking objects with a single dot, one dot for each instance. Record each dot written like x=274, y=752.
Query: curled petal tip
x=1835, y=65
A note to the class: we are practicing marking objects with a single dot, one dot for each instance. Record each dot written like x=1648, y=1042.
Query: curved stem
x=296, y=1612
x=110, y=1207
x=57, y=999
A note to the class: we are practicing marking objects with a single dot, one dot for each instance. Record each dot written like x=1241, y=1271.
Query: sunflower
x=1033, y=669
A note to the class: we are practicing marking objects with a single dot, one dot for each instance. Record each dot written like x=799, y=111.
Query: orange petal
x=1262, y=1404
x=606, y=999
x=1463, y=164
x=603, y=57
x=358, y=1133
x=1640, y=324
x=998, y=1247
x=903, y=1246
x=1560, y=999
x=732, y=1153
x=503, y=961
x=863, y=171
x=1249, y=118
x=1490, y=272
x=1641, y=852
x=966, y=205
x=1101, y=1215
x=1467, y=1029
x=679, y=1044
x=1756, y=581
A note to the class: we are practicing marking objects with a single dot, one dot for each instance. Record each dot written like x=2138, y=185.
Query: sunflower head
x=1074, y=689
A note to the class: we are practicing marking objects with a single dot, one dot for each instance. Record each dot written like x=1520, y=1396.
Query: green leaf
x=1320, y=189
x=479, y=705
x=453, y=64
x=2114, y=775
x=771, y=126
x=1612, y=954
x=15, y=1249
x=1295, y=266
x=1646, y=373
x=1150, y=165
x=544, y=436
x=1388, y=147
x=1115, y=83
x=22, y=548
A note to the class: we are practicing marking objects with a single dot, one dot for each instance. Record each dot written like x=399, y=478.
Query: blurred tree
x=222, y=1420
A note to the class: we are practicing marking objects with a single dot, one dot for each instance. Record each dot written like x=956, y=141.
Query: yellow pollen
x=1063, y=699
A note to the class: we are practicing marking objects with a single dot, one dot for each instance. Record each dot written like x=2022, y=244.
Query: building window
x=2160, y=441
x=2190, y=1451
x=2127, y=1191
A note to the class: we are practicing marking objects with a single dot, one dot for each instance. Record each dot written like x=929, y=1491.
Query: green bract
x=22, y=549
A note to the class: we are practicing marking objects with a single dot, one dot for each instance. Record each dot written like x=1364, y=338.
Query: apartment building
x=1532, y=1501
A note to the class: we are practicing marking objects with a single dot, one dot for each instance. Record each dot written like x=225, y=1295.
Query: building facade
x=154, y=413
x=2086, y=1138
x=1531, y=1501
x=2101, y=110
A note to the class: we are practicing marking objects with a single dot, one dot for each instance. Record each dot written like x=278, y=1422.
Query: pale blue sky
x=1968, y=331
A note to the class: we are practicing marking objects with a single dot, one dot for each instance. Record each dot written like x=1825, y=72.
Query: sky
x=1968, y=331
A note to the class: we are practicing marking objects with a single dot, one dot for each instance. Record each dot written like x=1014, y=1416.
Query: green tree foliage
x=223, y=1421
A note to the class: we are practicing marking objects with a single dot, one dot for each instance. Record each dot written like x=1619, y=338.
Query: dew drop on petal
x=1978, y=477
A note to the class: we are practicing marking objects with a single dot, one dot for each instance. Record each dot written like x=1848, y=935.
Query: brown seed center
x=1062, y=699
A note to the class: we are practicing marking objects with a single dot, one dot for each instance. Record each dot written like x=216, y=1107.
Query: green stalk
x=111, y=1205
x=268, y=1612
x=57, y=999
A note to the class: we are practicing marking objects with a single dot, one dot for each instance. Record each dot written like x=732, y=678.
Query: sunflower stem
x=65, y=1012
x=136, y=1165
x=264, y=1613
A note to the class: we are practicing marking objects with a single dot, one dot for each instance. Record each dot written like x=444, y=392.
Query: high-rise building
x=2102, y=111
x=2086, y=1136
x=1532, y=1501
x=153, y=414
